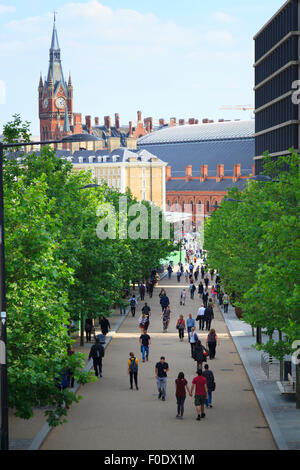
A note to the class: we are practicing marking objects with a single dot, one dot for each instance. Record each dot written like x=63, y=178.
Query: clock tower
x=55, y=97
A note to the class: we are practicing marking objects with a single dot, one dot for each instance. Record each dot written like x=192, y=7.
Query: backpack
x=132, y=303
x=133, y=365
x=99, y=351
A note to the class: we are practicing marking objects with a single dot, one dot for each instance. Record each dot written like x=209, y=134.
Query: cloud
x=224, y=17
x=6, y=9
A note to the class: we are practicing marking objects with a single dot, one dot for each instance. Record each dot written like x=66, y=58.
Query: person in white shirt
x=200, y=317
x=183, y=296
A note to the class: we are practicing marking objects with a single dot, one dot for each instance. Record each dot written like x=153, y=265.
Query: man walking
x=133, y=304
x=146, y=310
x=208, y=316
x=145, y=342
x=164, y=302
x=199, y=384
x=142, y=290
x=201, y=317
x=104, y=325
x=97, y=353
x=170, y=270
x=161, y=370
x=225, y=302
x=133, y=366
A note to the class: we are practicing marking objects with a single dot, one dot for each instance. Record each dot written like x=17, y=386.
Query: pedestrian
x=192, y=290
x=201, y=317
x=146, y=310
x=182, y=297
x=133, y=304
x=211, y=385
x=133, y=367
x=193, y=338
x=197, y=274
x=206, y=281
x=212, y=273
x=213, y=294
x=199, y=384
x=89, y=325
x=104, y=325
x=162, y=292
x=166, y=317
x=142, y=290
x=186, y=275
x=191, y=268
x=226, y=302
x=151, y=287
x=97, y=353
x=190, y=323
x=202, y=272
x=181, y=327
x=205, y=297
x=143, y=321
x=145, y=342
x=208, y=316
x=178, y=274
x=170, y=270
x=164, y=301
x=181, y=268
x=211, y=342
x=161, y=370
x=200, y=289
x=181, y=387
x=200, y=354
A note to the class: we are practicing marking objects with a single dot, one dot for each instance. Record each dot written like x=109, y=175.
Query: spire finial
x=54, y=16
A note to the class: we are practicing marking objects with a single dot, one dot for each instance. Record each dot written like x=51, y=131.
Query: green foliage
x=255, y=246
x=58, y=268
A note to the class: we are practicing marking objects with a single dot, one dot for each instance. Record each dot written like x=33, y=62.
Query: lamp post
x=3, y=320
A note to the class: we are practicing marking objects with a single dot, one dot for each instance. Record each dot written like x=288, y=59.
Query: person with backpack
x=133, y=304
x=97, y=353
x=211, y=385
x=181, y=384
x=180, y=327
x=133, y=367
x=164, y=301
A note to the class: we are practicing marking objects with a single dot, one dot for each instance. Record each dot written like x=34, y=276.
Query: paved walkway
x=110, y=416
x=280, y=411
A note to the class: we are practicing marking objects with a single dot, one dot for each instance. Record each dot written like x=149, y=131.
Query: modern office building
x=277, y=67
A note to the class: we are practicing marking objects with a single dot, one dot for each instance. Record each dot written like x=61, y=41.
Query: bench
x=288, y=387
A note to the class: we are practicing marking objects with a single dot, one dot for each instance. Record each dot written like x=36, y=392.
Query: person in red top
x=181, y=385
x=200, y=385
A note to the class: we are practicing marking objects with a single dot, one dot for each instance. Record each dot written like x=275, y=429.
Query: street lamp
x=3, y=331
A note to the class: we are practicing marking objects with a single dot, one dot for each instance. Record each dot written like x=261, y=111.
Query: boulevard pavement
x=111, y=416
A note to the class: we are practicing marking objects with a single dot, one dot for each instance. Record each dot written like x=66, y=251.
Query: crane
x=238, y=107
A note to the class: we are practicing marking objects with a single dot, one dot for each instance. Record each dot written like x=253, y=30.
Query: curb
x=43, y=433
x=260, y=396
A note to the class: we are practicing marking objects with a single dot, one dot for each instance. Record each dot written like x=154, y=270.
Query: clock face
x=60, y=103
x=45, y=103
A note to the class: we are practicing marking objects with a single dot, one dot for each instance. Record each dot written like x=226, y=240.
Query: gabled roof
x=207, y=185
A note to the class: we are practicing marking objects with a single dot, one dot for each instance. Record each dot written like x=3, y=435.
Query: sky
x=167, y=58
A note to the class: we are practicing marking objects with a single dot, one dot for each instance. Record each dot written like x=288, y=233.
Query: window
x=207, y=206
x=119, y=171
x=144, y=195
x=144, y=183
x=104, y=172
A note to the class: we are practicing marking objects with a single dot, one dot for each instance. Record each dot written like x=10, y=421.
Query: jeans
x=88, y=335
x=122, y=311
x=162, y=385
x=209, y=399
x=180, y=405
x=181, y=333
x=189, y=329
x=225, y=308
x=169, y=274
x=145, y=349
x=212, y=349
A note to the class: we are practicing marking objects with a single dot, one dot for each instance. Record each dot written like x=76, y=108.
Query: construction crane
x=238, y=107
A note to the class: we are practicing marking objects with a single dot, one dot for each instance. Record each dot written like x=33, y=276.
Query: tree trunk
x=281, y=360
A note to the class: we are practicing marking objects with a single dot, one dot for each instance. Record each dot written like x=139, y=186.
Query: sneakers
x=198, y=418
x=163, y=399
x=202, y=415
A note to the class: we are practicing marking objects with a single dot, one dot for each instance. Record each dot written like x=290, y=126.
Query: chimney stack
x=192, y=121
x=205, y=121
x=161, y=122
x=221, y=120
x=236, y=172
x=181, y=122
x=196, y=121
x=204, y=170
x=96, y=121
x=220, y=173
x=88, y=123
x=130, y=129
x=139, y=116
x=117, y=121
x=168, y=173
x=188, y=172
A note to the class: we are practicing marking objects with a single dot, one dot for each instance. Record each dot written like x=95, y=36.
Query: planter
x=239, y=312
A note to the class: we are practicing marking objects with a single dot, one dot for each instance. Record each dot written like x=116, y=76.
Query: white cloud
x=6, y=9
x=219, y=38
x=224, y=17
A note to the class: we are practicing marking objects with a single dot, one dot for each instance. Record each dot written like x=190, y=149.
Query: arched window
x=207, y=206
x=216, y=205
x=192, y=206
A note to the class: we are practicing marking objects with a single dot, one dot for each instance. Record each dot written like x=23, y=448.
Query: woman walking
x=213, y=294
x=193, y=338
x=211, y=342
x=181, y=327
x=181, y=385
x=200, y=354
x=200, y=289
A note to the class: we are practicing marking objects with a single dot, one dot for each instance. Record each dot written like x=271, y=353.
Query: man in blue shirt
x=190, y=323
